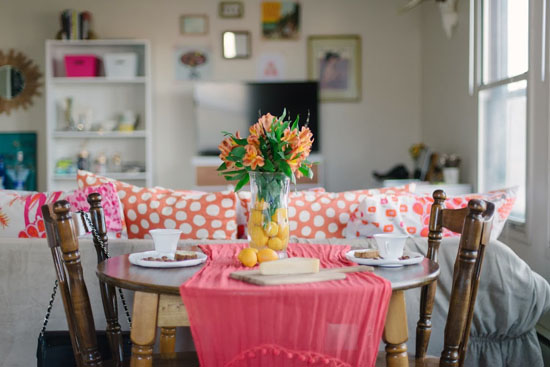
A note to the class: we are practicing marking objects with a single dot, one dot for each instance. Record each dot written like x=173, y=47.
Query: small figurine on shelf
x=19, y=174
x=100, y=164
x=116, y=163
x=83, y=161
x=450, y=166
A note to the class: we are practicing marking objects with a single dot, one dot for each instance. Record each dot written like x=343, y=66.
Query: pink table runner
x=335, y=323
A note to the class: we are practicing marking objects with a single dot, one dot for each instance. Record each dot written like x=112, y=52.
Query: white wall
x=357, y=138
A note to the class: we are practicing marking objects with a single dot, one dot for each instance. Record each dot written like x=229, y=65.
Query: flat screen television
x=237, y=105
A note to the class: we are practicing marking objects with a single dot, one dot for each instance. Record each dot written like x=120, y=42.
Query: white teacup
x=166, y=241
x=390, y=246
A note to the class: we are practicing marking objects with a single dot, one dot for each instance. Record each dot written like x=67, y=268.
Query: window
x=502, y=98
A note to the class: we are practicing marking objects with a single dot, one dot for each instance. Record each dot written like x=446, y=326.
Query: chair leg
x=144, y=327
x=424, y=325
x=395, y=332
x=168, y=342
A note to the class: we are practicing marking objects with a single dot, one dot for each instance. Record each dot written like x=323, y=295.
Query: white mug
x=390, y=246
x=166, y=241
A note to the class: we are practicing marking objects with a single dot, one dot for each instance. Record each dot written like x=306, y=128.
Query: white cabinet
x=103, y=102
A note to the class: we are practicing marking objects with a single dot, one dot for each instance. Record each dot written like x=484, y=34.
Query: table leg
x=171, y=313
x=144, y=327
x=395, y=331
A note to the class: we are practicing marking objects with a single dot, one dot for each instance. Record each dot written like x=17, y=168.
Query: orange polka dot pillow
x=326, y=214
x=410, y=213
x=198, y=215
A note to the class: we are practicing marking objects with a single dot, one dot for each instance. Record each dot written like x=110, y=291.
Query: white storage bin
x=120, y=65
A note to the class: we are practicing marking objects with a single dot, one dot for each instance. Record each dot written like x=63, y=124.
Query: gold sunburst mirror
x=19, y=81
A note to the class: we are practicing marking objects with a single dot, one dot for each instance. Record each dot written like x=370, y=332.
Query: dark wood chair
x=63, y=242
x=474, y=223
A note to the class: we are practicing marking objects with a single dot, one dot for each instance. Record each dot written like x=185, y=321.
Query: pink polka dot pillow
x=410, y=213
x=199, y=215
x=112, y=207
x=326, y=214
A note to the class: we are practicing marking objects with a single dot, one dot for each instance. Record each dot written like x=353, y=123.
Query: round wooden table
x=157, y=303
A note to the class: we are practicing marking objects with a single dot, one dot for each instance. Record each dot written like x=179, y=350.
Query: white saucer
x=414, y=258
x=137, y=259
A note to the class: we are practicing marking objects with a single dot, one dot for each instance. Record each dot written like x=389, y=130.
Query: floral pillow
x=199, y=215
x=410, y=214
x=112, y=208
x=21, y=214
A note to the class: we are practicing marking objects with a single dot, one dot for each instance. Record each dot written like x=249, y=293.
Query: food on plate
x=267, y=254
x=367, y=254
x=185, y=255
x=164, y=259
x=248, y=257
x=293, y=265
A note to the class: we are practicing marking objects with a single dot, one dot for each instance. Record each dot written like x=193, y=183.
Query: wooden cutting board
x=254, y=276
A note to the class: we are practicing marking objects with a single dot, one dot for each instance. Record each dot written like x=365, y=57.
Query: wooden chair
x=63, y=242
x=474, y=223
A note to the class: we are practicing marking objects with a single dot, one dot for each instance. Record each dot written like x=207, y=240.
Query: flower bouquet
x=273, y=155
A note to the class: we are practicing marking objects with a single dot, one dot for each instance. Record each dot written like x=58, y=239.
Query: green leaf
x=242, y=182
x=222, y=167
x=283, y=115
x=240, y=141
x=309, y=173
x=293, y=178
x=238, y=152
x=268, y=165
x=286, y=169
x=306, y=171
x=295, y=123
x=227, y=133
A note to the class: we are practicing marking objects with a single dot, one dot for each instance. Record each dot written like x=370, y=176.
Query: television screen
x=236, y=106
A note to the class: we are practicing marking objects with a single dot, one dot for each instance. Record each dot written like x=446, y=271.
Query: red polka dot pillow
x=326, y=214
x=198, y=215
x=410, y=213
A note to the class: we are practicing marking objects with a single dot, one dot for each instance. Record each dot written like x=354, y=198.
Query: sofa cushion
x=199, y=215
x=410, y=213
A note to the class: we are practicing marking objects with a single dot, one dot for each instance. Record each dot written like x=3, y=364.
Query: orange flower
x=290, y=136
x=306, y=139
x=225, y=147
x=251, y=158
x=266, y=121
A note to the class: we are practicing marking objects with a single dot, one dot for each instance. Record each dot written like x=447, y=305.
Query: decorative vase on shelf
x=268, y=222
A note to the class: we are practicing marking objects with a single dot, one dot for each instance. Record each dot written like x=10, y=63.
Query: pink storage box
x=81, y=65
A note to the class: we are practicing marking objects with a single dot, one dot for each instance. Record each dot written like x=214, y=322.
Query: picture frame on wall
x=280, y=20
x=236, y=45
x=335, y=62
x=193, y=24
x=18, y=161
x=231, y=9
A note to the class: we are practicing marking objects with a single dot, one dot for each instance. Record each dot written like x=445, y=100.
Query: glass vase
x=268, y=221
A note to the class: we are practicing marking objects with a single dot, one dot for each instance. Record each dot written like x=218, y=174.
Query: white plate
x=415, y=258
x=136, y=259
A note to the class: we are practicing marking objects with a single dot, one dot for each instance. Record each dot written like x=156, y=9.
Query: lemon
x=280, y=215
x=267, y=254
x=258, y=237
x=248, y=257
x=256, y=217
x=271, y=229
x=283, y=233
x=260, y=205
x=275, y=244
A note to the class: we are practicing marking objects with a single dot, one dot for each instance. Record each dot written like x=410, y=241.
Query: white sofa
x=510, y=301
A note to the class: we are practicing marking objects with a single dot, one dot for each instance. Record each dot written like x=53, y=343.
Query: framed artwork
x=193, y=24
x=192, y=63
x=335, y=61
x=280, y=19
x=18, y=161
x=231, y=9
x=236, y=45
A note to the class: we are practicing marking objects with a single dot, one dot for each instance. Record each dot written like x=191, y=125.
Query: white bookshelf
x=106, y=97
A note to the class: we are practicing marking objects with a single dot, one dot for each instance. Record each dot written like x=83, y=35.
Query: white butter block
x=293, y=265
